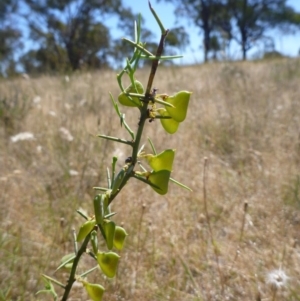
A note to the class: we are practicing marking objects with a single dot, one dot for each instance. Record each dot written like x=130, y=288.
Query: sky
x=286, y=44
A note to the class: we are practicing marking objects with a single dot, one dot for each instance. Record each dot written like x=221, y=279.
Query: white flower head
x=39, y=148
x=52, y=113
x=65, y=134
x=37, y=99
x=22, y=136
x=73, y=172
x=277, y=279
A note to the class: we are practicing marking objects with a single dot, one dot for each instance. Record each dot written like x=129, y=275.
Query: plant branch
x=72, y=278
x=155, y=62
x=143, y=117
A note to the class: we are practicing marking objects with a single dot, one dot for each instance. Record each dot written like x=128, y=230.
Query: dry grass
x=244, y=117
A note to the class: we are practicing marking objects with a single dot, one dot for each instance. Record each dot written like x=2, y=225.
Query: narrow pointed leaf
x=180, y=184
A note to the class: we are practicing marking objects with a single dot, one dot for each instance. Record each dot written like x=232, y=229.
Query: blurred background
x=240, y=239
x=60, y=36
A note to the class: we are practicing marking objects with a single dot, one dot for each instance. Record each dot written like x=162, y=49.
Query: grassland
x=244, y=118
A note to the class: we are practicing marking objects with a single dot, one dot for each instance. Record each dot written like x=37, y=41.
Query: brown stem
x=155, y=63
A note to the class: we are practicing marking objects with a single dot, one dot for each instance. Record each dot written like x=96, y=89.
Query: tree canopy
x=66, y=35
x=245, y=21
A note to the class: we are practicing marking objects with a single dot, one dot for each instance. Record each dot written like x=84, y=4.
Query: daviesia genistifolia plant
x=171, y=110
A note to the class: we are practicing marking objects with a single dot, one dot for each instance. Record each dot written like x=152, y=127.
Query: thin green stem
x=161, y=58
x=53, y=280
x=116, y=139
x=138, y=46
x=89, y=271
x=161, y=26
x=72, y=278
x=143, y=117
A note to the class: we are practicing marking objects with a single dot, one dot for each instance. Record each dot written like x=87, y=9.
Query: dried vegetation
x=243, y=117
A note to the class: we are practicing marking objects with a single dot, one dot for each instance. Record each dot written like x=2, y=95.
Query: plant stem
x=143, y=115
x=72, y=278
x=155, y=62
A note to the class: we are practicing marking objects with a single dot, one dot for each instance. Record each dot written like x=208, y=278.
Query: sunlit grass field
x=234, y=237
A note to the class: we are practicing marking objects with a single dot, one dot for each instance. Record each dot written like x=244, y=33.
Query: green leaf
x=99, y=208
x=109, y=229
x=95, y=291
x=108, y=263
x=180, y=101
x=162, y=161
x=169, y=124
x=67, y=261
x=125, y=100
x=161, y=180
x=94, y=241
x=85, y=229
x=119, y=238
x=118, y=181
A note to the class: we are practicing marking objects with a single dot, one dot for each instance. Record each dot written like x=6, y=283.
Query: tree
x=245, y=21
x=9, y=36
x=208, y=15
x=253, y=18
x=72, y=32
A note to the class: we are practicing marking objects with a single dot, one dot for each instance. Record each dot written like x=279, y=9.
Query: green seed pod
x=180, y=101
x=85, y=229
x=94, y=241
x=108, y=263
x=106, y=207
x=162, y=161
x=109, y=229
x=118, y=181
x=169, y=124
x=134, y=101
x=95, y=291
x=119, y=239
x=99, y=208
x=161, y=180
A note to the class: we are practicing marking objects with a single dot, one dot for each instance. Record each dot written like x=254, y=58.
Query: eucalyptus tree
x=72, y=33
x=210, y=16
x=10, y=35
x=253, y=18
